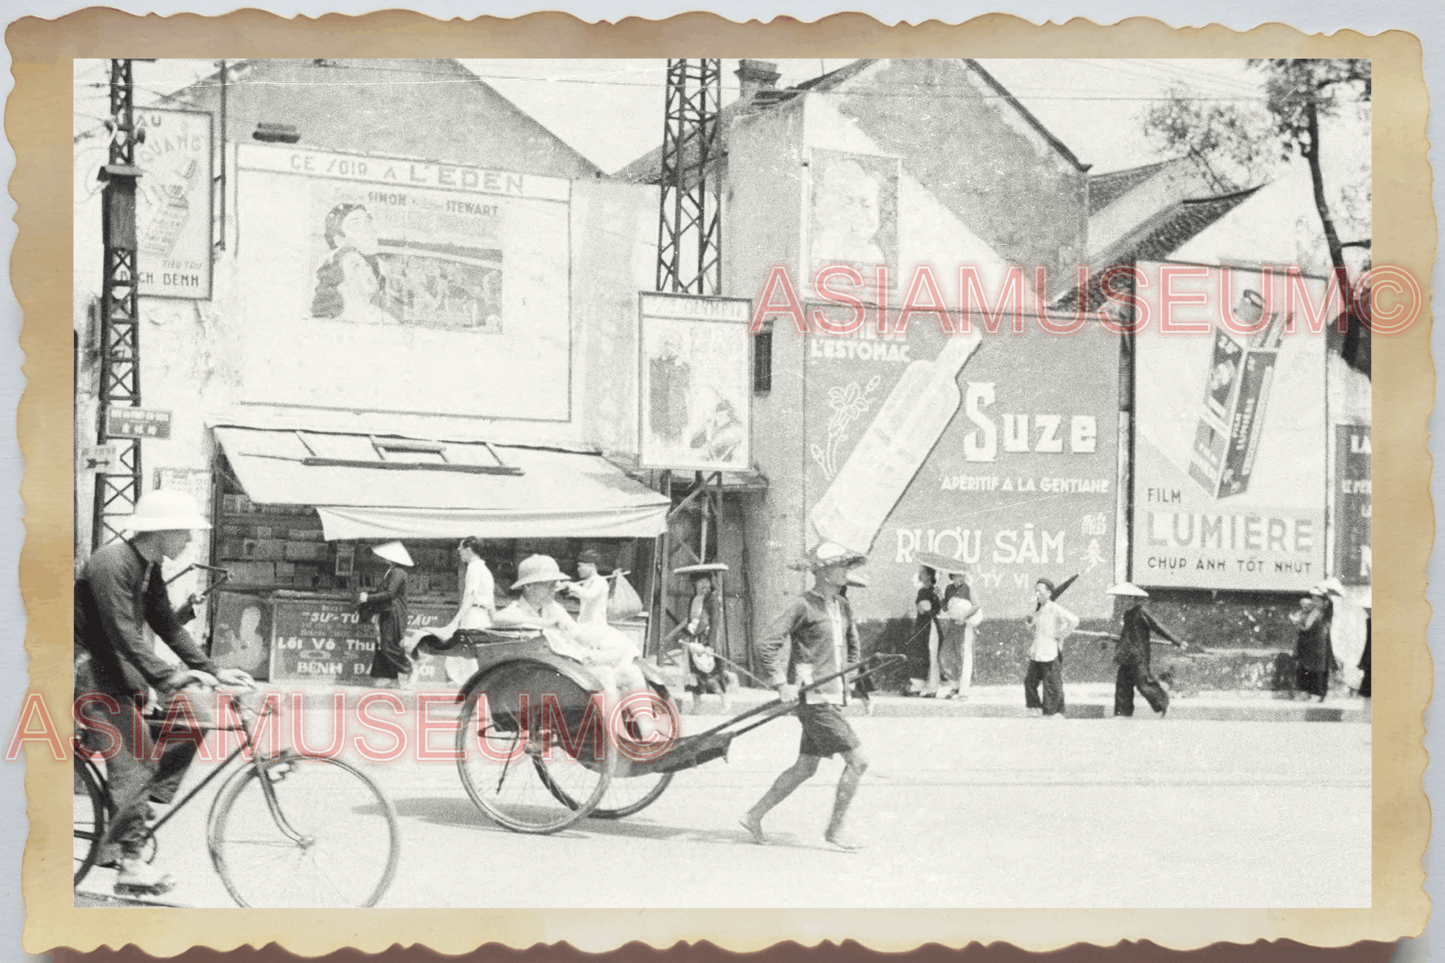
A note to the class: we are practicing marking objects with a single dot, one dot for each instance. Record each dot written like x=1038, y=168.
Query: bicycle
x=274, y=822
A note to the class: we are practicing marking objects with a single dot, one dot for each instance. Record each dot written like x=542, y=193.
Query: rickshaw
x=538, y=750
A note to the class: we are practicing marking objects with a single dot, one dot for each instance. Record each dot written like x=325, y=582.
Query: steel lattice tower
x=689, y=233
x=118, y=488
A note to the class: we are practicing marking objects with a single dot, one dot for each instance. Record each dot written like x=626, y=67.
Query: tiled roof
x=1108, y=187
x=1161, y=235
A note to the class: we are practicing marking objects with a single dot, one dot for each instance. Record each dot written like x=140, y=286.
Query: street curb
x=989, y=702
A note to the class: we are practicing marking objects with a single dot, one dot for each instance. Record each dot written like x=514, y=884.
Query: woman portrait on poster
x=351, y=284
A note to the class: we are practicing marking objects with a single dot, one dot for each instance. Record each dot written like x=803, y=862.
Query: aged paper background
x=1404, y=229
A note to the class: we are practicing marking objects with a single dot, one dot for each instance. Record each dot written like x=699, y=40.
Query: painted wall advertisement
x=173, y=204
x=432, y=288
x=1229, y=489
x=852, y=212
x=1352, y=504
x=695, y=412
x=989, y=449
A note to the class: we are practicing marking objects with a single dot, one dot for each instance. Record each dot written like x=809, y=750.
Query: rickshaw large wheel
x=628, y=794
x=532, y=771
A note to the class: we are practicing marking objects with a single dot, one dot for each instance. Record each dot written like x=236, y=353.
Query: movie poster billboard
x=1229, y=456
x=987, y=450
x=421, y=288
x=1352, y=504
x=173, y=204
x=695, y=402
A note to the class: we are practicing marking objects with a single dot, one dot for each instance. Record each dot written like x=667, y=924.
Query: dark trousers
x=1051, y=674
x=1136, y=675
x=134, y=773
x=1314, y=683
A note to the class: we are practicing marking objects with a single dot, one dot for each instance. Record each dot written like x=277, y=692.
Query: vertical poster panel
x=1001, y=458
x=173, y=204
x=696, y=402
x=1229, y=485
x=1352, y=504
x=399, y=286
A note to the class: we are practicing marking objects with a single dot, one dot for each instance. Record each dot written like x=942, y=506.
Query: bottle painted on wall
x=170, y=217
x=888, y=456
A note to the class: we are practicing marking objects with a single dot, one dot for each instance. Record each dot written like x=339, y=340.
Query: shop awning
x=367, y=487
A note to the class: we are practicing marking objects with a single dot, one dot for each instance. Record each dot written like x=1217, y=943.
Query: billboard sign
x=1352, y=504
x=173, y=204
x=1229, y=457
x=415, y=288
x=988, y=450
x=696, y=410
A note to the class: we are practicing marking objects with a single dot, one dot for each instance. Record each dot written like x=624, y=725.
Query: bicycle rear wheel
x=89, y=818
x=299, y=831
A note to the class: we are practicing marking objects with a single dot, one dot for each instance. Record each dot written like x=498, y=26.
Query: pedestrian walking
x=706, y=672
x=475, y=612
x=1051, y=624
x=1132, y=655
x=1348, y=631
x=1312, y=646
x=120, y=592
x=958, y=626
x=590, y=590
x=812, y=639
x=387, y=604
x=923, y=655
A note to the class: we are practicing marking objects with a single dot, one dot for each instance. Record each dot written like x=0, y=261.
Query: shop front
x=297, y=512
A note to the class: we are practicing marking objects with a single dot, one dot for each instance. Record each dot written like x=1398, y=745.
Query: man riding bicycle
x=119, y=592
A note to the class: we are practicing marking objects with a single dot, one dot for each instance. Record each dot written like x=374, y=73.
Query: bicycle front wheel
x=88, y=819
x=303, y=832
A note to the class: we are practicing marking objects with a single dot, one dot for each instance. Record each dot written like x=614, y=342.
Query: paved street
x=956, y=812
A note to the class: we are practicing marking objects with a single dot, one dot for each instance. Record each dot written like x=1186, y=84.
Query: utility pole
x=118, y=485
x=689, y=234
x=689, y=261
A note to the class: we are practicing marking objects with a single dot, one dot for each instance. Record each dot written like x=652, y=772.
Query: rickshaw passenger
x=607, y=653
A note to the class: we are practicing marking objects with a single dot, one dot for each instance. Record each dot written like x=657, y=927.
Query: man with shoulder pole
x=1132, y=655
x=814, y=638
x=120, y=591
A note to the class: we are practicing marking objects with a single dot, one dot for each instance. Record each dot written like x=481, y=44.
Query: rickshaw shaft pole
x=778, y=707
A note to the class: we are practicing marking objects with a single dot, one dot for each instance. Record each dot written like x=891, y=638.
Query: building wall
x=765, y=212
x=972, y=151
x=388, y=108
x=192, y=352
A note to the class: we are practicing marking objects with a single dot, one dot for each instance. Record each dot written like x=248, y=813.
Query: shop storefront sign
x=123, y=422
x=1352, y=504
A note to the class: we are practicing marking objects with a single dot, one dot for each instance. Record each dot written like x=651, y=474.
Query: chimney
x=756, y=75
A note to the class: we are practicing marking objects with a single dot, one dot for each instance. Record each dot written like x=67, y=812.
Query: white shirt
x=1052, y=623
x=478, y=593
x=591, y=592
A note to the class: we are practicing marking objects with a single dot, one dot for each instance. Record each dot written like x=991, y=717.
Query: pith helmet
x=537, y=568
x=164, y=510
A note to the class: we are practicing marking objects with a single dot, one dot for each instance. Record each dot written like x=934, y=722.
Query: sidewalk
x=1085, y=700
